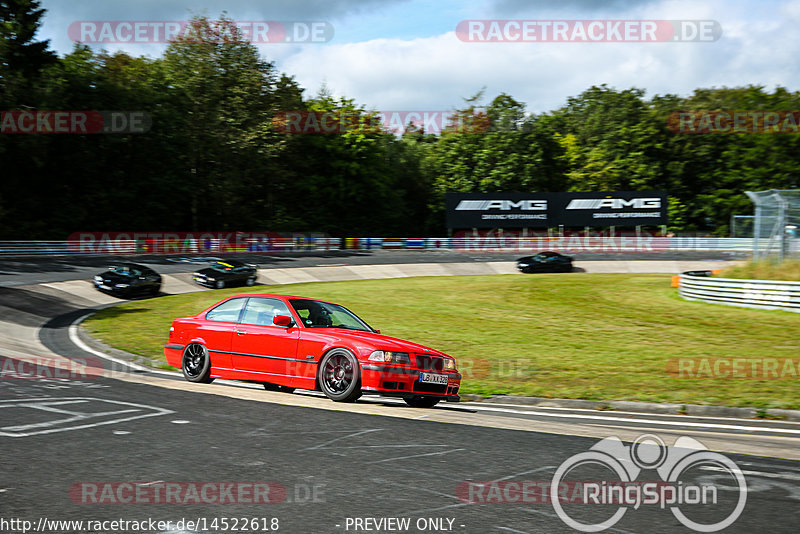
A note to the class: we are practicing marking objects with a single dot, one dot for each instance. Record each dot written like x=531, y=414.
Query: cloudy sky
x=406, y=54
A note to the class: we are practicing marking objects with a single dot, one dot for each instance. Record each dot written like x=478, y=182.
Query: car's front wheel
x=220, y=284
x=421, y=402
x=340, y=376
x=196, y=364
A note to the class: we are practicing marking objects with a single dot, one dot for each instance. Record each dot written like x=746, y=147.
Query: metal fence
x=776, y=227
x=764, y=294
x=742, y=225
x=476, y=244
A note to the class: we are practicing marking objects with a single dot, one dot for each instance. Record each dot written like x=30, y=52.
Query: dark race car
x=128, y=280
x=545, y=262
x=226, y=273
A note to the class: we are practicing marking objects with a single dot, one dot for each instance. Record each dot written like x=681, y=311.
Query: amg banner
x=547, y=210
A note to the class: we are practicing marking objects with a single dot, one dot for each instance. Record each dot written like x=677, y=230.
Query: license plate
x=430, y=378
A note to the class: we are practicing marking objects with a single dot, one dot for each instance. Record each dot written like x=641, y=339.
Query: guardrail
x=764, y=294
x=571, y=243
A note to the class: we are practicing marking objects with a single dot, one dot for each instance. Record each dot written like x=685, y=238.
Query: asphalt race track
x=72, y=444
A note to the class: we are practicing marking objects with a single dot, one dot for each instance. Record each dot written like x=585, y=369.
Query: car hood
x=383, y=342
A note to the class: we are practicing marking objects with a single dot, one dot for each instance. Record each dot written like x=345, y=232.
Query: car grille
x=427, y=362
x=430, y=388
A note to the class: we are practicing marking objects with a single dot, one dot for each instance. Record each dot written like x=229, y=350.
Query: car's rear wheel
x=275, y=387
x=421, y=402
x=340, y=376
x=220, y=284
x=250, y=281
x=196, y=364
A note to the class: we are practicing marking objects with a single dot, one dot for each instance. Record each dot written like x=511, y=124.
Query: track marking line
x=43, y=404
x=645, y=421
x=786, y=476
x=415, y=456
x=354, y=434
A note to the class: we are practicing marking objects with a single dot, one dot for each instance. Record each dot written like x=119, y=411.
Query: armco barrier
x=765, y=294
x=510, y=244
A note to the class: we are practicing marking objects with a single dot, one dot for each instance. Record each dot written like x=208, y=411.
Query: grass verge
x=767, y=269
x=584, y=336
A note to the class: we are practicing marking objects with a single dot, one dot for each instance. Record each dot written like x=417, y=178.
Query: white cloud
x=437, y=72
x=759, y=45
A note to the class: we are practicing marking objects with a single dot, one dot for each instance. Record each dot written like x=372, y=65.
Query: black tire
x=220, y=284
x=195, y=364
x=250, y=281
x=339, y=376
x=421, y=402
x=275, y=387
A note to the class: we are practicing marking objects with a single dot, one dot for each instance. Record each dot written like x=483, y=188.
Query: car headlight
x=523, y=264
x=98, y=278
x=121, y=285
x=389, y=356
x=449, y=364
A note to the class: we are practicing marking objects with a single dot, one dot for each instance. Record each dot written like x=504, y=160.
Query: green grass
x=767, y=269
x=586, y=336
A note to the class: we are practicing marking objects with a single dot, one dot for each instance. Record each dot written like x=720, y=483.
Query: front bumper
x=111, y=289
x=205, y=282
x=398, y=381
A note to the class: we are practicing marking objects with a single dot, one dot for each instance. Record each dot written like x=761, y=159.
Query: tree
x=224, y=93
x=22, y=58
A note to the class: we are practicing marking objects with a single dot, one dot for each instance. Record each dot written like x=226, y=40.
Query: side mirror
x=283, y=320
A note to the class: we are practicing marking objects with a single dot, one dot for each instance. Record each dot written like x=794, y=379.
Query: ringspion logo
x=677, y=468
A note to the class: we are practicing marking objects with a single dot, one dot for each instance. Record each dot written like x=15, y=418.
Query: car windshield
x=124, y=270
x=222, y=266
x=316, y=314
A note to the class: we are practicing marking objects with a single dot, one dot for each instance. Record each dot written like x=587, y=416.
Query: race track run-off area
x=146, y=449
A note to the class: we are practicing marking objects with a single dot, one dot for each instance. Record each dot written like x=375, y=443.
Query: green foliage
x=574, y=353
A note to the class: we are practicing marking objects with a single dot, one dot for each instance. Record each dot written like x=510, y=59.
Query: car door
x=216, y=330
x=260, y=346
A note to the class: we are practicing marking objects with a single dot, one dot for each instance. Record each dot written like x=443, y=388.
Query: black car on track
x=128, y=280
x=545, y=262
x=226, y=273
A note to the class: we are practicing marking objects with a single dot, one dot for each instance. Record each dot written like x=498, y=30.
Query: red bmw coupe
x=294, y=342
